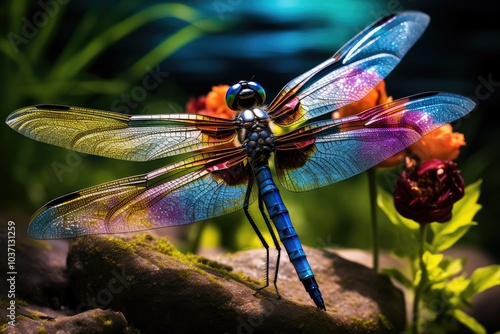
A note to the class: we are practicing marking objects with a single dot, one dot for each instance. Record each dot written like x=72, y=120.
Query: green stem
x=373, y=212
x=423, y=278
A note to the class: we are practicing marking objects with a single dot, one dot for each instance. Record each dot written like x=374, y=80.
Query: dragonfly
x=228, y=166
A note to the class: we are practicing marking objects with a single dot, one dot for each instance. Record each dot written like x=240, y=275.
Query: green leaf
x=386, y=202
x=447, y=234
x=432, y=261
x=454, y=290
x=451, y=266
x=42, y=40
x=79, y=36
x=471, y=195
x=73, y=65
x=439, y=269
x=444, y=240
x=17, y=9
x=484, y=278
x=176, y=41
x=469, y=321
x=407, y=230
x=398, y=276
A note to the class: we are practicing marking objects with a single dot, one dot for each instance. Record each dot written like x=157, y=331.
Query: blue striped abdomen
x=289, y=238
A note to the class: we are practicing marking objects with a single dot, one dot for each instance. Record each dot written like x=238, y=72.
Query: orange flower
x=213, y=104
x=196, y=105
x=441, y=143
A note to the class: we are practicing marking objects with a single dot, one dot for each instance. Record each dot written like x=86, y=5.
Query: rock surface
x=41, y=271
x=42, y=294
x=93, y=321
x=144, y=280
x=158, y=289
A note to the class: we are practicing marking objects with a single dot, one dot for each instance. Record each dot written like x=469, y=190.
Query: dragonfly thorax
x=255, y=134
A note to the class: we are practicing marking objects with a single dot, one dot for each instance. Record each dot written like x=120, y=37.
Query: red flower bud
x=426, y=193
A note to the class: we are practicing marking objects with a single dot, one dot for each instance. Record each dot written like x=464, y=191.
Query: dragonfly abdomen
x=281, y=218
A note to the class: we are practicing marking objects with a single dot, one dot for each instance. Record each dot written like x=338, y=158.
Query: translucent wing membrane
x=119, y=136
x=329, y=151
x=214, y=179
x=192, y=190
x=352, y=72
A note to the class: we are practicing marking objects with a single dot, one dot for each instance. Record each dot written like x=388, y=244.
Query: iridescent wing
x=352, y=72
x=120, y=136
x=204, y=186
x=329, y=151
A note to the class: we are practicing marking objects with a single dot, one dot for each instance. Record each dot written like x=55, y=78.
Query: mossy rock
x=159, y=289
x=29, y=320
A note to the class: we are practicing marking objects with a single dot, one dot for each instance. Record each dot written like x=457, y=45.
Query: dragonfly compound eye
x=245, y=95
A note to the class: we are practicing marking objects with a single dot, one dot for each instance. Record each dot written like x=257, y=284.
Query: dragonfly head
x=245, y=95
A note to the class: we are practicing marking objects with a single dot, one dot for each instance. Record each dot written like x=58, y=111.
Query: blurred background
x=97, y=54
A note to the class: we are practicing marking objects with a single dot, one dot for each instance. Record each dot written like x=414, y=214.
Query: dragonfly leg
x=256, y=228
x=276, y=245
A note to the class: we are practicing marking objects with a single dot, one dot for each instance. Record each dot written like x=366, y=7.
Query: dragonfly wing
x=352, y=72
x=329, y=151
x=177, y=194
x=120, y=136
